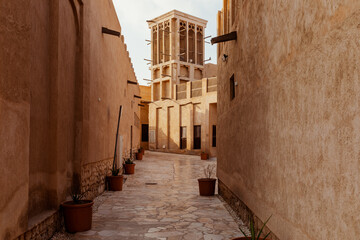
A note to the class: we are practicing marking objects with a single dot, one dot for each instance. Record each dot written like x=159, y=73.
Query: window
x=200, y=43
x=182, y=137
x=214, y=136
x=183, y=41
x=144, y=132
x=191, y=42
x=232, y=87
x=197, y=137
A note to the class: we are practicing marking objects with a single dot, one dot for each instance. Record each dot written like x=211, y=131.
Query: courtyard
x=161, y=201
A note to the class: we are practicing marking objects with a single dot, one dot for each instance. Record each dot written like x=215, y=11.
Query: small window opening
x=232, y=87
x=214, y=136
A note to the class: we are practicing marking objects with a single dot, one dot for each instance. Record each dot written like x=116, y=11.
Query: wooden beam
x=109, y=31
x=224, y=38
x=131, y=82
x=136, y=96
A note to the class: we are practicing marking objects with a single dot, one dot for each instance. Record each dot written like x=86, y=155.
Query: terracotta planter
x=129, y=168
x=207, y=186
x=77, y=217
x=115, y=182
x=139, y=156
x=204, y=156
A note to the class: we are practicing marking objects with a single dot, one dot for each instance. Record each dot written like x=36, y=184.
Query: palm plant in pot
x=77, y=213
x=253, y=234
x=207, y=184
x=129, y=165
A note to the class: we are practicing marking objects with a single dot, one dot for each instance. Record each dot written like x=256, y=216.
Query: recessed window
x=182, y=137
x=145, y=132
x=197, y=137
x=232, y=87
x=214, y=136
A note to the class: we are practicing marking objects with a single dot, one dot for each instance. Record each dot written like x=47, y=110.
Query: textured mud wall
x=288, y=143
x=14, y=116
x=61, y=84
x=109, y=68
x=52, y=118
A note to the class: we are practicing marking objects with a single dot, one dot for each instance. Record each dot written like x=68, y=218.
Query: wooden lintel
x=131, y=82
x=109, y=31
x=141, y=105
x=224, y=38
x=185, y=104
x=136, y=96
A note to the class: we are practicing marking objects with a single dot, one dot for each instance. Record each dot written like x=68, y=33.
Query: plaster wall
x=108, y=88
x=288, y=144
x=210, y=70
x=14, y=116
x=61, y=84
x=167, y=116
x=145, y=93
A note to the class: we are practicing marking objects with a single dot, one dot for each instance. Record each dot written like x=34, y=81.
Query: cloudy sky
x=133, y=14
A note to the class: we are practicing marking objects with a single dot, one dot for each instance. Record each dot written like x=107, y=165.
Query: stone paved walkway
x=171, y=209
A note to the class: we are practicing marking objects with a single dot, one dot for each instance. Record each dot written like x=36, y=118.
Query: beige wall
x=166, y=117
x=14, y=116
x=210, y=70
x=145, y=93
x=61, y=86
x=288, y=144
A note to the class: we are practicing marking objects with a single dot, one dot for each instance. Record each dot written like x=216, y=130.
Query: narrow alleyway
x=161, y=201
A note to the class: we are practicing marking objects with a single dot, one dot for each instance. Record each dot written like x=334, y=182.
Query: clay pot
x=77, y=217
x=129, y=168
x=139, y=156
x=204, y=156
x=207, y=186
x=115, y=182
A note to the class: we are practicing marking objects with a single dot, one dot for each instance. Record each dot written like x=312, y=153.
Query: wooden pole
x=117, y=134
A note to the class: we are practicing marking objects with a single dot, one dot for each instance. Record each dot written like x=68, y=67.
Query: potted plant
x=115, y=180
x=139, y=154
x=142, y=150
x=129, y=166
x=207, y=184
x=77, y=213
x=253, y=235
x=204, y=156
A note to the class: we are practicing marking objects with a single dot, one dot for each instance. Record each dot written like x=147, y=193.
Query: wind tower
x=177, y=52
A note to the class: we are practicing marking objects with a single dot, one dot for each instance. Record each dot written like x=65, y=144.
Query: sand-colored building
x=182, y=115
x=61, y=84
x=289, y=116
x=145, y=94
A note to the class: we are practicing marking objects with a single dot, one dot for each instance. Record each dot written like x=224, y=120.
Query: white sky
x=133, y=14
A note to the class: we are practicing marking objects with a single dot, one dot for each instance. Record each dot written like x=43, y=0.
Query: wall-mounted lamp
x=224, y=57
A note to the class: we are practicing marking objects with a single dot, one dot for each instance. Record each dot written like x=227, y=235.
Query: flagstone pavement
x=161, y=201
